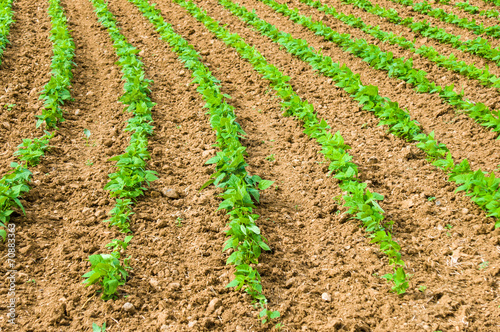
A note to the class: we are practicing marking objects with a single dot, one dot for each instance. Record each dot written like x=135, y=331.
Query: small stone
x=465, y=211
x=174, y=286
x=207, y=153
x=141, y=53
x=170, y=193
x=100, y=214
x=154, y=283
x=108, y=143
x=90, y=93
x=326, y=297
x=438, y=202
x=213, y=305
x=77, y=111
x=162, y=223
x=165, y=328
x=6, y=125
x=129, y=307
x=182, y=72
x=192, y=323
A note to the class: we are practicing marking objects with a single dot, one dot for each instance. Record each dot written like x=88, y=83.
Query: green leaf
x=264, y=184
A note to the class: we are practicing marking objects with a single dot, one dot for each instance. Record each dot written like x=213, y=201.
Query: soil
x=179, y=272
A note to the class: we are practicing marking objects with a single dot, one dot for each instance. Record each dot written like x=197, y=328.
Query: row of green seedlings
x=483, y=189
x=127, y=183
x=240, y=190
x=14, y=184
x=396, y=67
x=6, y=19
x=426, y=9
x=493, y=2
x=57, y=90
x=475, y=10
x=483, y=75
x=362, y=204
x=479, y=46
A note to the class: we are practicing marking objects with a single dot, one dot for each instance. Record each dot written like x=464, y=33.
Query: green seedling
x=87, y=134
x=179, y=221
x=449, y=226
x=430, y=199
x=89, y=162
x=9, y=107
x=484, y=265
x=32, y=149
x=97, y=328
x=422, y=288
x=270, y=157
x=107, y=270
x=32, y=281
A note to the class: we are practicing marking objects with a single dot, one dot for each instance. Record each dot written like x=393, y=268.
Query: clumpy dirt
x=179, y=273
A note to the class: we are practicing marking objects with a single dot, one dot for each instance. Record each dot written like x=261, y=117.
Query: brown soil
x=179, y=272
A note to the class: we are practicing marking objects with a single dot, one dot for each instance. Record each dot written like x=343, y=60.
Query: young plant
x=9, y=107
x=97, y=328
x=87, y=134
x=107, y=269
x=32, y=149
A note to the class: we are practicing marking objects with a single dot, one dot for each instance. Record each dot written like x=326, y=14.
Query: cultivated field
x=249, y=165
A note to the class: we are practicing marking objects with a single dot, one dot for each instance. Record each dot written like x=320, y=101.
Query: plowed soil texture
x=322, y=273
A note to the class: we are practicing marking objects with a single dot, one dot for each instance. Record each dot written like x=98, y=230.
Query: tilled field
x=325, y=265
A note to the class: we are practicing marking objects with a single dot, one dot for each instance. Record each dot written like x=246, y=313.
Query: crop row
x=426, y=9
x=396, y=67
x=483, y=188
x=494, y=2
x=361, y=202
x=467, y=7
x=57, y=90
x=14, y=184
x=479, y=46
x=6, y=19
x=127, y=183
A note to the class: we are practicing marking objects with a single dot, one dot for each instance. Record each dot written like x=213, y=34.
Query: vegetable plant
x=97, y=328
x=109, y=270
